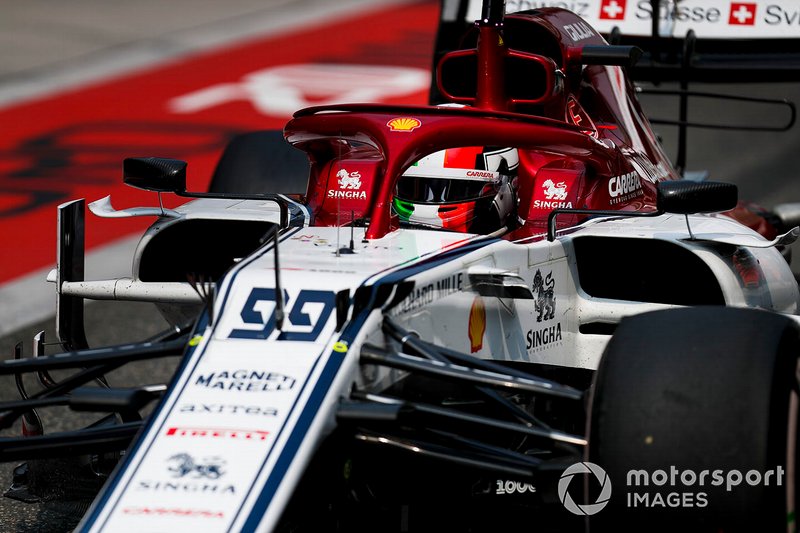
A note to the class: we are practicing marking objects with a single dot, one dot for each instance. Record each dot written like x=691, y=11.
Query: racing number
x=296, y=317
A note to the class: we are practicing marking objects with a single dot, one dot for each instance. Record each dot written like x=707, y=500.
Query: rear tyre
x=687, y=391
x=260, y=162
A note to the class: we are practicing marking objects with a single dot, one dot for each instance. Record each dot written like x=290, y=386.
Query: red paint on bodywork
x=563, y=164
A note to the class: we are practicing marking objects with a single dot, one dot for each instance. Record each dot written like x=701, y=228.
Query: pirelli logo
x=236, y=434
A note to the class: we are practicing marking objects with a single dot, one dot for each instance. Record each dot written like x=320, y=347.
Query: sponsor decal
x=545, y=304
x=554, y=191
x=427, y=294
x=573, y=113
x=245, y=381
x=316, y=240
x=347, y=195
x=186, y=487
x=477, y=324
x=679, y=13
x=503, y=486
x=481, y=174
x=166, y=511
x=543, y=288
x=349, y=185
x=776, y=15
x=551, y=195
x=349, y=180
x=742, y=14
x=406, y=124
x=612, y=9
x=576, y=115
x=544, y=204
x=183, y=465
x=296, y=315
x=228, y=409
x=578, y=31
x=624, y=187
x=214, y=433
x=542, y=338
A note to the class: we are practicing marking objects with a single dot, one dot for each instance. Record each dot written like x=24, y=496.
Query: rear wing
x=689, y=40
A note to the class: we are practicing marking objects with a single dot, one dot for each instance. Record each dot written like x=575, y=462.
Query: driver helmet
x=470, y=189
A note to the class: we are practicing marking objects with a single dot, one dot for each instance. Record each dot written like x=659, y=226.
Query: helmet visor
x=427, y=190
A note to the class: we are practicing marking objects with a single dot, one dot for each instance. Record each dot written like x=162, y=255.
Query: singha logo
x=543, y=288
x=183, y=465
x=554, y=191
x=349, y=180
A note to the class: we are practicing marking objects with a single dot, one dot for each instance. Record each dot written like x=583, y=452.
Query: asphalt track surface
x=62, y=52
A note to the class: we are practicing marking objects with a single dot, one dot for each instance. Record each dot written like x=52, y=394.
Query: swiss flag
x=612, y=9
x=742, y=14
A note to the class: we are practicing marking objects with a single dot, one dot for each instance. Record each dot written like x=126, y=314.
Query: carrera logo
x=234, y=434
x=624, y=187
x=612, y=9
x=742, y=14
x=165, y=511
x=404, y=124
x=245, y=381
x=480, y=174
x=349, y=180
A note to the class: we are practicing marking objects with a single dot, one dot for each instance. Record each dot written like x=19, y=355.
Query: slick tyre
x=260, y=162
x=694, y=416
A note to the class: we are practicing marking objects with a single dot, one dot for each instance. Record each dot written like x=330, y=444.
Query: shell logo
x=477, y=324
x=404, y=124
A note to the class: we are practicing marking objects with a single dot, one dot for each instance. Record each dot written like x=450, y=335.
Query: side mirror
x=688, y=197
x=529, y=78
x=155, y=174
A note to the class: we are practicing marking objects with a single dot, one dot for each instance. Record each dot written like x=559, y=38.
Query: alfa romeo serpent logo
x=589, y=508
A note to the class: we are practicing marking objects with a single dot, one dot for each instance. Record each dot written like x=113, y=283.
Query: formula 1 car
x=436, y=317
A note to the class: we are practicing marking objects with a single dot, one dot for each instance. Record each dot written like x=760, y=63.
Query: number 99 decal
x=297, y=316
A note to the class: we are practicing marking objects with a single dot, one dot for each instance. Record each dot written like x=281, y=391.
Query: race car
x=407, y=318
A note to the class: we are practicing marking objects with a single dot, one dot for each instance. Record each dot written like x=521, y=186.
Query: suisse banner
x=711, y=19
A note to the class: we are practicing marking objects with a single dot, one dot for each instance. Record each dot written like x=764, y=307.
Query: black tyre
x=687, y=391
x=260, y=162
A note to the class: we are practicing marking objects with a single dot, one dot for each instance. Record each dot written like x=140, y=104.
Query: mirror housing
x=684, y=197
x=157, y=174
x=529, y=78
